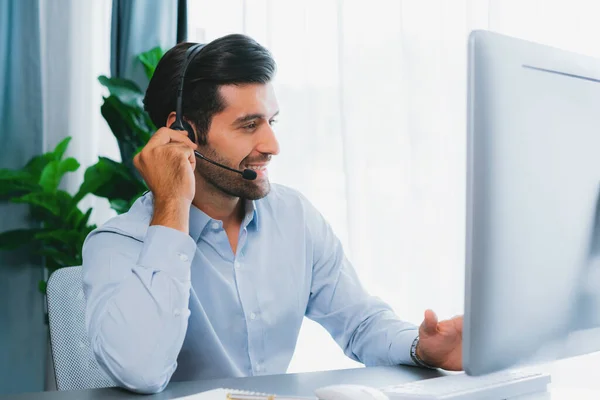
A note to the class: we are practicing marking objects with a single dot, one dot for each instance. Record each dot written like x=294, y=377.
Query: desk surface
x=572, y=379
x=303, y=384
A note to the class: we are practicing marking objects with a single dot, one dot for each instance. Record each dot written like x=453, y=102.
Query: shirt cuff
x=400, y=347
x=168, y=250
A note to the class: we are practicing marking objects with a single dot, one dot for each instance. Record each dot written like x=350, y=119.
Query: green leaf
x=96, y=176
x=13, y=189
x=59, y=150
x=119, y=205
x=46, y=200
x=65, y=203
x=42, y=286
x=131, y=126
x=69, y=237
x=68, y=165
x=53, y=173
x=150, y=60
x=125, y=90
x=36, y=165
x=77, y=219
x=49, y=179
x=118, y=85
x=58, y=257
x=14, y=175
x=15, y=238
x=16, y=181
x=109, y=179
x=122, y=206
x=83, y=234
x=81, y=222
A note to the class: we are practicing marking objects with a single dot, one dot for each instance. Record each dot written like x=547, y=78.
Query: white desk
x=572, y=379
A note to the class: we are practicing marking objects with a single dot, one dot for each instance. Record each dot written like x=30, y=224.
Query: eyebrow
x=250, y=117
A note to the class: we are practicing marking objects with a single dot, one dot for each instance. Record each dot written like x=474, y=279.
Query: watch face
x=415, y=358
x=413, y=351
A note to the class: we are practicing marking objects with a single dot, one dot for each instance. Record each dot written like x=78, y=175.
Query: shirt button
x=215, y=225
x=257, y=368
x=237, y=265
x=252, y=316
x=176, y=312
x=183, y=257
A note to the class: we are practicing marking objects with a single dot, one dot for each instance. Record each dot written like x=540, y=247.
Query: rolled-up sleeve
x=137, y=294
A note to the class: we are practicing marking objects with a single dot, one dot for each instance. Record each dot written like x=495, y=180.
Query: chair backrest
x=75, y=366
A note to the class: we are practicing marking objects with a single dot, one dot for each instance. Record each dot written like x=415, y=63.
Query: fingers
x=169, y=151
x=191, y=157
x=458, y=323
x=177, y=148
x=165, y=135
x=430, y=323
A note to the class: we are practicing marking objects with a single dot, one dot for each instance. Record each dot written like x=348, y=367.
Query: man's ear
x=171, y=118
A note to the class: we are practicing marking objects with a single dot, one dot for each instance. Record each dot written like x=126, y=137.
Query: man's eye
x=250, y=126
x=272, y=122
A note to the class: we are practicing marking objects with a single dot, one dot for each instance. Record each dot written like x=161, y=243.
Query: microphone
x=246, y=174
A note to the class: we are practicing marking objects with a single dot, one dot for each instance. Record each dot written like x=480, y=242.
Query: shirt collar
x=199, y=219
x=251, y=218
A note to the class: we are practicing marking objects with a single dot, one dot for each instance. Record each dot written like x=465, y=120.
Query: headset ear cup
x=190, y=131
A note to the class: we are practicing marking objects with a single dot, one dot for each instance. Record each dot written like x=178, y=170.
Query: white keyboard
x=496, y=386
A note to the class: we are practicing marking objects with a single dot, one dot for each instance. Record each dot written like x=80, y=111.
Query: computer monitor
x=533, y=204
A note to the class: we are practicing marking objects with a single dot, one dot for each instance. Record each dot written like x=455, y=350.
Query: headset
x=181, y=125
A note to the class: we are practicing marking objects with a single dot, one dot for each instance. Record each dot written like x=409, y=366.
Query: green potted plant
x=61, y=226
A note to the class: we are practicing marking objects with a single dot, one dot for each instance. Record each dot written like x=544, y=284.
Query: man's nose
x=268, y=143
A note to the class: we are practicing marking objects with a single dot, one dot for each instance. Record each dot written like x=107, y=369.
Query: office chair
x=74, y=363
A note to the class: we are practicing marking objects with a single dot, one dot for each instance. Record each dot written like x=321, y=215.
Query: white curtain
x=75, y=51
x=372, y=127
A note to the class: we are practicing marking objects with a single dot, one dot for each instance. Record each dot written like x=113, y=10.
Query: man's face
x=242, y=136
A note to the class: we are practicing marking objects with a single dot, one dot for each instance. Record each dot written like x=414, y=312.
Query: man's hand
x=440, y=343
x=167, y=164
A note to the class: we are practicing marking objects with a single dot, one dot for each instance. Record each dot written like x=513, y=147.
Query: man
x=209, y=274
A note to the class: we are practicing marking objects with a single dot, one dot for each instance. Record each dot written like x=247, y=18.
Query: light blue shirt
x=163, y=305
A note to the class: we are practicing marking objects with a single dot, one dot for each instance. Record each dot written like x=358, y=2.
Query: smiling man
x=209, y=275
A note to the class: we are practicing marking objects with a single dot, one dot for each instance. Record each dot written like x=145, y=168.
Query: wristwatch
x=415, y=358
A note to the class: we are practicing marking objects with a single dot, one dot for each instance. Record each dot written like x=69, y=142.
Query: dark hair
x=230, y=60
